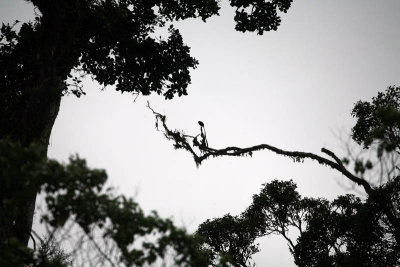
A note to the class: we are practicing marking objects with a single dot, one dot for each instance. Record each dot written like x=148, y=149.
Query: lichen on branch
x=199, y=148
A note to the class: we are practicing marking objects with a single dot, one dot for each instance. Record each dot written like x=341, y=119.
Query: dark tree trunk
x=27, y=123
x=40, y=62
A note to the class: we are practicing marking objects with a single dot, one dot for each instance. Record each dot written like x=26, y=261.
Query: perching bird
x=203, y=133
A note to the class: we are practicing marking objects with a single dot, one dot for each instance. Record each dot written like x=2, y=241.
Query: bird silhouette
x=203, y=134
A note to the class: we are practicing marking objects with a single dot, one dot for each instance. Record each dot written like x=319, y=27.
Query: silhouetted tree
x=379, y=120
x=112, y=41
x=345, y=232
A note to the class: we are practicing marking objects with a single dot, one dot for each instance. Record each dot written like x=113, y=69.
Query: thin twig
x=33, y=240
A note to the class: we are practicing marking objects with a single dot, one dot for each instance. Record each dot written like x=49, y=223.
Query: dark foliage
x=259, y=15
x=74, y=191
x=379, y=120
x=344, y=232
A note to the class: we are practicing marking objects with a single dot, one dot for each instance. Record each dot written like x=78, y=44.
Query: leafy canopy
x=379, y=120
x=344, y=232
x=114, y=42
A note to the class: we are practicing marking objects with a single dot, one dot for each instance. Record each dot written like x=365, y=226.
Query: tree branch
x=183, y=141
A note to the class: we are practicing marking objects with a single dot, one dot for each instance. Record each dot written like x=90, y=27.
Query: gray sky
x=290, y=88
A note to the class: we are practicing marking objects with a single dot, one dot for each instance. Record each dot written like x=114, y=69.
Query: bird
x=203, y=133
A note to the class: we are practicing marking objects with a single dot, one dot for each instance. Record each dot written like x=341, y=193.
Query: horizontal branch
x=199, y=143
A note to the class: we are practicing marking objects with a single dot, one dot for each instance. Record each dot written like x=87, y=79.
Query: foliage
x=259, y=15
x=74, y=191
x=114, y=42
x=227, y=238
x=343, y=232
x=379, y=120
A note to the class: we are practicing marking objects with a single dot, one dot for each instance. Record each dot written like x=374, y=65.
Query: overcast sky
x=291, y=88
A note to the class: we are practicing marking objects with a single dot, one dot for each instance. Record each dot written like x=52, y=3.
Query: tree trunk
x=31, y=122
x=44, y=55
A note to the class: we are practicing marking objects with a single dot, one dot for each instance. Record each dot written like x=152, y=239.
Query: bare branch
x=100, y=250
x=33, y=241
